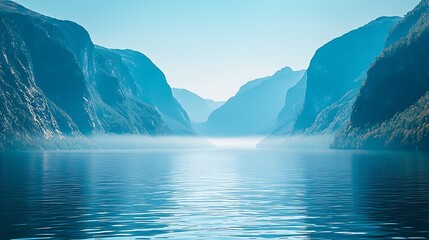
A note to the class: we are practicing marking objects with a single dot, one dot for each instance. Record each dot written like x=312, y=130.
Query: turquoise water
x=214, y=194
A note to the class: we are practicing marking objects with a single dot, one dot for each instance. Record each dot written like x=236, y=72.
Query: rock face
x=335, y=74
x=253, y=110
x=55, y=84
x=155, y=90
x=197, y=107
x=391, y=108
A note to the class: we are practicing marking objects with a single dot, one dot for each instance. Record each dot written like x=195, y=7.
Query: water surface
x=214, y=194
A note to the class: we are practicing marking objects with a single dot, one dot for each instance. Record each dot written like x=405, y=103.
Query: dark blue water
x=214, y=194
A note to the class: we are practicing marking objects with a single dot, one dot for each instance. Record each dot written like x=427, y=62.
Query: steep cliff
x=400, y=75
x=391, y=108
x=56, y=85
x=336, y=71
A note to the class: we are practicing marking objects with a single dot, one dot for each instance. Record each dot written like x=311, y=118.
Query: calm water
x=214, y=194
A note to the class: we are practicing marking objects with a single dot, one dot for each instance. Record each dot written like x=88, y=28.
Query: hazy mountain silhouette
x=198, y=108
x=253, y=110
x=294, y=102
x=55, y=83
x=391, y=110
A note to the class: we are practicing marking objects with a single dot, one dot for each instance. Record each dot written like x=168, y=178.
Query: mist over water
x=201, y=142
x=298, y=142
x=149, y=142
x=128, y=142
x=236, y=142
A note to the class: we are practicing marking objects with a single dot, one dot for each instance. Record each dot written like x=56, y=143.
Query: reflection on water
x=214, y=194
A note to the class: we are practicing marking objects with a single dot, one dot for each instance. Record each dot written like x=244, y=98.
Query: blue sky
x=212, y=47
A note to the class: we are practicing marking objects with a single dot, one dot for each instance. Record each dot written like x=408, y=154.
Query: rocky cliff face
x=154, y=90
x=336, y=72
x=55, y=84
x=391, y=108
x=400, y=75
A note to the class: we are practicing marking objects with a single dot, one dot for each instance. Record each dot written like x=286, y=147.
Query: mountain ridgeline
x=198, y=108
x=335, y=74
x=391, y=110
x=370, y=87
x=294, y=102
x=55, y=84
x=253, y=110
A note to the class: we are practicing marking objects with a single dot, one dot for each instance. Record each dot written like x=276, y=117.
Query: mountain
x=198, y=108
x=335, y=74
x=294, y=102
x=391, y=109
x=55, y=84
x=253, y=110
x=155, y=90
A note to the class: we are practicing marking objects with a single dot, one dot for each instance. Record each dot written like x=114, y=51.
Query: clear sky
x=212, y=47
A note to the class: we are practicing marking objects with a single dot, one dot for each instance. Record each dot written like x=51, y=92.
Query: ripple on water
x=214, y=195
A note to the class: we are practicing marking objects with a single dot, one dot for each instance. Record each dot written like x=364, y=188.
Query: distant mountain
x=391, y=110
x=253, y=110
x=198, y=108
x=55, y=84
x=294, y=103
x=335, y=74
